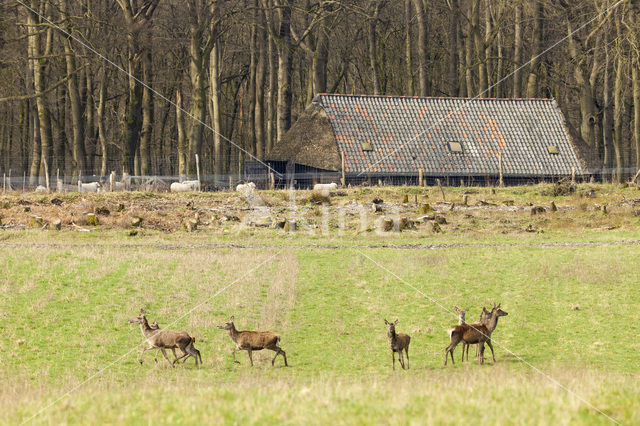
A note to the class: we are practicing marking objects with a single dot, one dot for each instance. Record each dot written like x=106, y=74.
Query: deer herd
x=477, y=333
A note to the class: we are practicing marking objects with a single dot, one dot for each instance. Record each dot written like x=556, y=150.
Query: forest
x=142, y=86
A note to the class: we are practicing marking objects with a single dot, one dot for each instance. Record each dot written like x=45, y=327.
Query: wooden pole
x=272, y=181
x=343, y=180
x=501, y=182
x=46, y=173
x=230, y=183
x=24, y=180
x=420, y=176
x=58, y=186
x=635, y=178
x=441, y=190
x=111, y=181
x=4, y=183
x=198, y=170
x=573, y=175
x=10, y=188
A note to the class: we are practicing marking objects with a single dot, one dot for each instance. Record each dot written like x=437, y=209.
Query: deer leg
x=448, y=351
x=164, y=352
x=284, y=355
x=194, y=353
x=401, y=359
x=250, y=357
x=143, y=351
x=491, y=347
x=481, y=355
x=407, y=352
x=234, y=356
x=393, y=357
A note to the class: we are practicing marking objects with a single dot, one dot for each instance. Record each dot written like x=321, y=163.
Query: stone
x=92, y=219
x=56, y=224
x=136, y=221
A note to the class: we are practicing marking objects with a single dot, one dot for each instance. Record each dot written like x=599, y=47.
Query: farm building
x=397, y=139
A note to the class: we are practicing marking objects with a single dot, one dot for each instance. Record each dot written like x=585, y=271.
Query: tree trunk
x=284, y=72
x=215, y=111
x=182, y=142
x=261, y=69
x=102, y=137
x=517, y=51
x=422, y=48
x=536, y=40
x=371, y=43
x=146, y=131
x=454, y=42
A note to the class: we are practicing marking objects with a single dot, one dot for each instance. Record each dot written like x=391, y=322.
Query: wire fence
x=266, y=179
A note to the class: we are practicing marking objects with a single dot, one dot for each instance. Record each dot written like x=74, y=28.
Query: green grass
x=64, y=312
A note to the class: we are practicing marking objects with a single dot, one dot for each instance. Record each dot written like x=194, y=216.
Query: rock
x=465, y=199
x=56, y=224
x=56, y=201
x=537, y=210
x=102, y=211
x=553, y=207
x=264, y=221
x=440, y=220
x=435, y=227
x=136, y=221
x=530, y=228
x=575, y=308
x=92, y=219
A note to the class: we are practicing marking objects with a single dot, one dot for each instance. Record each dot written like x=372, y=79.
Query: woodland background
x=248, y=68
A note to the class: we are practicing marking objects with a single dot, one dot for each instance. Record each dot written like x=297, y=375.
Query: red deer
x=472, y=334
x=398, y=343
x=253, y=341
x=485, y=316
x=166, y=339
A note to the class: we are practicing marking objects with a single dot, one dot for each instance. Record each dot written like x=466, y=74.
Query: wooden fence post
x=573, y=175
x=501, y=182
x=46, y=173
x=198, y=170
x=111, y=181
x=420, y=176
x=343, y=180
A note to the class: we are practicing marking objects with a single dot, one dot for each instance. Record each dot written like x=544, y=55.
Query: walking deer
x=253, y=341
x=474, y=334
x=398, y=342
x=166, y=339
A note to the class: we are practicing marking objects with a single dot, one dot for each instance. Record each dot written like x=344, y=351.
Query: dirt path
x=214, y=246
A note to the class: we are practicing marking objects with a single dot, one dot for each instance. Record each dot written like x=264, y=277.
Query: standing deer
x=253, y=341
x=485, y=316
x=472, y=334
x=166, y=339
x=398, y=343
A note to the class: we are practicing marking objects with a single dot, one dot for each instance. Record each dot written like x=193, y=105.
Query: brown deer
x=485, y=316
x=398, y=343
x=474, y=334
x=253, y=341
x=166, y=339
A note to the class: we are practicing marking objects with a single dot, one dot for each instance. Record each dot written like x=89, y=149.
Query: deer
x=474, y=334
x=166, y=339
x=398, y=342
x=253, y=341
x=485, y=316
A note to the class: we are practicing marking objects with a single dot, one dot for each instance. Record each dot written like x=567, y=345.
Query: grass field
x=567, y=352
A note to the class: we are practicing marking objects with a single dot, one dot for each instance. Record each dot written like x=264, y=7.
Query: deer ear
x=395, y=322
x=386, y=322
x=142, y=311
x=232, y=317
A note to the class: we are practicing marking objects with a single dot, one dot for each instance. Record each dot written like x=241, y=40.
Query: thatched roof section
x=309, y=142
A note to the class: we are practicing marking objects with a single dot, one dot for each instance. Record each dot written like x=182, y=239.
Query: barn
x=398, y=139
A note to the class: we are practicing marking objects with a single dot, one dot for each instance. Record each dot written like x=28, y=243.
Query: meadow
x=567, y=353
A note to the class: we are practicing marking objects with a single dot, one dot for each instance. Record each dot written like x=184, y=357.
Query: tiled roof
x=407, y=134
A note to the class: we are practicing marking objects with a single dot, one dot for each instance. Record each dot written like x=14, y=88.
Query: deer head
x=227, y=325
x=461, y=313
x=391, y=326
x=140, y=318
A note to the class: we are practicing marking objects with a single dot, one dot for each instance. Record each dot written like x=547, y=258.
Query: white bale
x=325, y=186
x=41, y=188
x=186, y=186
x=89, y=187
